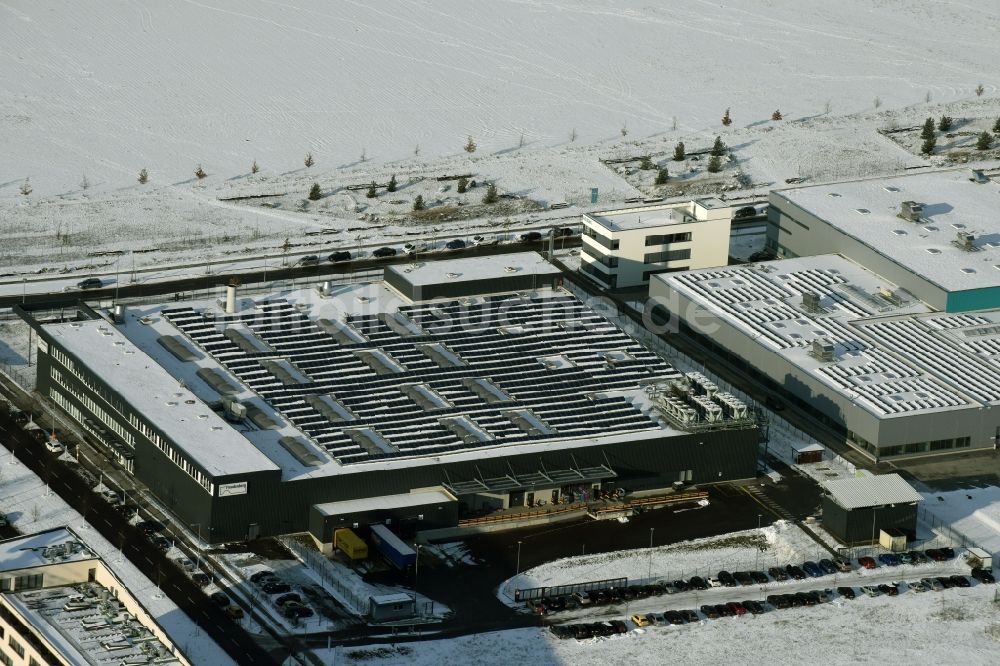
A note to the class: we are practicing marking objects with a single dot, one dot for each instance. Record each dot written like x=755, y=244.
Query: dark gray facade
x=862, y=525
x=523, y=281
x=404, y=521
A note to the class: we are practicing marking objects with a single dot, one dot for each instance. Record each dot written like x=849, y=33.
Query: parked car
x=455, y=244
x=827, y=566
x=234, y=612
x=201, y=579
x=294, y=610
x=916, y=557
x=889, y=590
x=754, y=607
x=384, y=252
x=795, y=572
x=709, y=611
x=698, y=583
x=286, y=598
x=90, y=283
x=54, y=445
x=641, y=620
x=724, y=611
x=743, y=578
x=530, y=236
x=582, y=599
x=916, y=586
x=946, y=582
x=161, y=543
x=184, y=563
x=932, y=584
x=842, y=565
x=904, y=558
x=220, y=598
x=484, y=240
x=682, y=585
x=339, y=255
x=261, y=575
x=110, y=496
x=867, y=562
x=564, y=631
x=745, y=211
x=658, y=619
x=714, y=582
x=947, y=552
x=960, y=581
x=149, y=527
x=309, y=260
x=779, y=600
x=759, y=577
x=564, y=231
x=674, y=617
x=846, y=592
x=690, y=615
x=727, y=579
x=276, y=587
x=737, y=608
x=812, y=569
x=888, y=559
x=777, y=574
x=982, y=575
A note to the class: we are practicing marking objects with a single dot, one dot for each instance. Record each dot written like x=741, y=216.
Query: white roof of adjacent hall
x=858, y=492
x=652, y=215
x=892, y=359
x=951, y=201
x=474, y=268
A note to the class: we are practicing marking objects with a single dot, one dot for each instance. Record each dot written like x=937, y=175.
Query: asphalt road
x=324, y=268
x=133, y=545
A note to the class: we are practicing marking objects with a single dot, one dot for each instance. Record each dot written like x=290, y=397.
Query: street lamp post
x=649, y=572
x=517, y=569
x=874, y=509
x=757, y=559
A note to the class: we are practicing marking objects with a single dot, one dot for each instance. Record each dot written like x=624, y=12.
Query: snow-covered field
x=974, y=512
x=91, y=92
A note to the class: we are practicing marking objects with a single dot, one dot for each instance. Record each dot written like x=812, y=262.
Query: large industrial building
x=898, y=377
x=937, y=235
x=447, y=387
x=624, y=247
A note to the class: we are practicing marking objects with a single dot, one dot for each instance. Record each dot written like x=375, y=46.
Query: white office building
x=623, y=248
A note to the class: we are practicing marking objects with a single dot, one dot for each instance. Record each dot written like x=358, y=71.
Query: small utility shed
x=389, y=607
x=810, y=453
x=857, y=508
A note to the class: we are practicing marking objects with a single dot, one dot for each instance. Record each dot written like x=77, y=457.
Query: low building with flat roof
x=856, y=509
x=60, y=604
x=854, y=348
x=936, y=234
x=623, y=247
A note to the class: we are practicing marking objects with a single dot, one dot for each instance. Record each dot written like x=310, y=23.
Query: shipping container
x=350, y=543
x=398, y=553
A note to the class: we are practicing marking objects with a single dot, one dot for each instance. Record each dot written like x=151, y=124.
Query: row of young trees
x=984, y=141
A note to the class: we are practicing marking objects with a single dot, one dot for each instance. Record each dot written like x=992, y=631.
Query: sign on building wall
x=230, y=489
x=43, y=346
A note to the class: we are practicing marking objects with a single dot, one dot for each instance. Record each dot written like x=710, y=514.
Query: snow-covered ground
x=92, y=92
x=973, y=512
x=31, y=507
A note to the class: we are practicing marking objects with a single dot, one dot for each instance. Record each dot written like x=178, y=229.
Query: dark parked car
x=674, y=617
x=383, y=252
x=828, y=566
x=200, y=579
x=619, y=627
x=916, y=557
x=746, y=211
x=90, y=283
x=565, y=231
x=779, y=600
x=339, y=255
x=286, y=598
x=309, y=260
x=737, y=608
x=726, y=579
x=698, y=583
x=754, y=607
x=889, y=590
x=261, y=575
x=949, y=553
x=759, y=577
x=277, y=587
x=808, y=598
x=743, y=578
x=149, y=527
x=724, y=610
x=456, y=244
x=682, y=585
x=530, y=236
x=812, y=569
x=946, y=582
x=161, y=543
x=709, y=611
x=982, y=575
x=846, y=592
x=795, y=572
x=888, y=559
x=294, y=610
x=960, y=581
x=777, y=574
x=220, y=598
x=690, y=615
x=867, y=562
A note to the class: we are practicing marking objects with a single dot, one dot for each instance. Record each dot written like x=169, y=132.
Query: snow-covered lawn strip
x=31, y=507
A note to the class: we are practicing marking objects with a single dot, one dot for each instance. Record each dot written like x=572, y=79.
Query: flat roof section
x=640, y=217
x=868, y=210
x=386, y=502
x=474, y=268
x=55, y=546
x=855, y=332
x=859, y=492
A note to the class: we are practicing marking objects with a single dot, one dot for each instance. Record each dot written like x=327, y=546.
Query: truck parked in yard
x=392, y=547
x=350, y=543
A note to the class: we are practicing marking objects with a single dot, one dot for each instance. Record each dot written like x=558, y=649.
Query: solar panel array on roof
x=499, y=383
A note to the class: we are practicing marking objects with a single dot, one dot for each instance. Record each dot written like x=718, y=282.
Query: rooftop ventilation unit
x=823, y=349
x=810, y=301
x=890, y=295
x=965, y=241
x=911, y=210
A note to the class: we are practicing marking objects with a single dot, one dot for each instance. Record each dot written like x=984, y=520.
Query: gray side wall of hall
x=405, y=521
x=856, y=525
x=277, y=507
x=802, y=234
x=980, y=425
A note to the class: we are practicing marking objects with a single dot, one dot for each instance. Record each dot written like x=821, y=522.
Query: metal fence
x=329, y=576
x=561, y=590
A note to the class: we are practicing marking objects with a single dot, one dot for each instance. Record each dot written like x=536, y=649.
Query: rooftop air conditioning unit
x=889, y=295
x=911, y=210
x=810, y=300
x=965, y=241
x=823, y=349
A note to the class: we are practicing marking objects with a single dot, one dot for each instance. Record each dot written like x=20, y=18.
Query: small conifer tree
x=418, y=203
x=776, y=115
x=679, y=152
x=996, y=126
x=714, y=164
x=314, y=192
x=470, y=146
x=26, y=187
x=309, y=161
x=718, y=148
x=928, y=145
x=372, y=191
x=463, y=184
x=143, y=176
x=200, y=173
x=491, y=195
x=928, y=131
x=254, y=168
x=661, y=176
x=647, y=163
x=980, y=90
x=985, y=141
x=391, y=186
x=945, y=123
x=726, y=120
